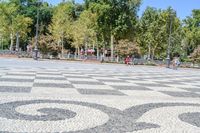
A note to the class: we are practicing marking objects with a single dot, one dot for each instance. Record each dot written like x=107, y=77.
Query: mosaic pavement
x=97, y=98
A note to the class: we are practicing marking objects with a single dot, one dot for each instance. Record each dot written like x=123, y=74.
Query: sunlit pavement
x=59, y=96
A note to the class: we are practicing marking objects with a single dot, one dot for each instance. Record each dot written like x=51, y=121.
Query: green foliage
x=117, y=17
x=84, y=29
x=154, y=32
x=21, y=24
x=191, y=30
x=62, y=21
x=12, y=22
x=195, y=56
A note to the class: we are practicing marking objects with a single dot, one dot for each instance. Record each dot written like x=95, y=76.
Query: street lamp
x=169, y=43
x=36, y=36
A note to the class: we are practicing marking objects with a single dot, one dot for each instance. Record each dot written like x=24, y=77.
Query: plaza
x=76, y=97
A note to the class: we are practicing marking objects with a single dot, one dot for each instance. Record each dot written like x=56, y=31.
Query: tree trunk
x=104, y=46
x=97, y=51
x=17, y=42
x=75, y=55
x=149, y=52
x=11, y=42
x=153, y=53
x=117, y=59
x=86, y=49
x=112, y=46
x=62, y=52
x=97, y=45
x=78, y=52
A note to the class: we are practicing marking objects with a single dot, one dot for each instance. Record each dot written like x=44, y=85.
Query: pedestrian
x=133, y=60
x=102, y=58
x=127, y=60
x=176, y=63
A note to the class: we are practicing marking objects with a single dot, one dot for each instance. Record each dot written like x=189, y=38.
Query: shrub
x=195, y=56
x=126, y=47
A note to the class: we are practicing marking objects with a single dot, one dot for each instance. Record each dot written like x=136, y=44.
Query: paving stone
x=131, y=88
x=105, y=80
x=87, y=82
x=191, y=118
x=151, y=85
x=52, y=85
x=192, y=89
x=56, y=96
x=16, y=80
x=18, y=74
x=100, y=92
x=51, y=78
x=46, y=73
x=13, y=89
x=181, y=94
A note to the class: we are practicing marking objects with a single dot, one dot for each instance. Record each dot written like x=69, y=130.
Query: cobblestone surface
x=55, y=96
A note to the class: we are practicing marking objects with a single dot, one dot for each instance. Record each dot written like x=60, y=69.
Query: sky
x=183, y=7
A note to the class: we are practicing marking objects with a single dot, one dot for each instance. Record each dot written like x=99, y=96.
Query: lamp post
x=37, y=34
x=169, y=43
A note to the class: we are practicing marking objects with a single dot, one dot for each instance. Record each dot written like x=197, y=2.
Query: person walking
x=176, y=63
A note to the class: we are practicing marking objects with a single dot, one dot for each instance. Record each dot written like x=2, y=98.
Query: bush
x=195, y=56
x=46, y=45
x=127, y=48
x=150, y=63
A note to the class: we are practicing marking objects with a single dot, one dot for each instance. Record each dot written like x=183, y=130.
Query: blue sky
x=183, y=7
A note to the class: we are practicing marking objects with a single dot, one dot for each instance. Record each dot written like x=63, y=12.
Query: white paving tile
x=51, y=81
x=17, y=84
x=18, y=77
x=53, y=76
x=82, y=79
x=167, y=89
x=119, y=83
x=84, y=86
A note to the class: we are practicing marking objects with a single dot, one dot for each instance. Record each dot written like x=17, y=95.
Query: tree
x=176, y=36
x=61, y=25
x=148, y=28
x=84, y=30
x=154, y=32
x=191, y=29
x=196, y=55
x=29, y=8
x=118, y=17
x=127, y=48
x=47, y=45
x=13, y=22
